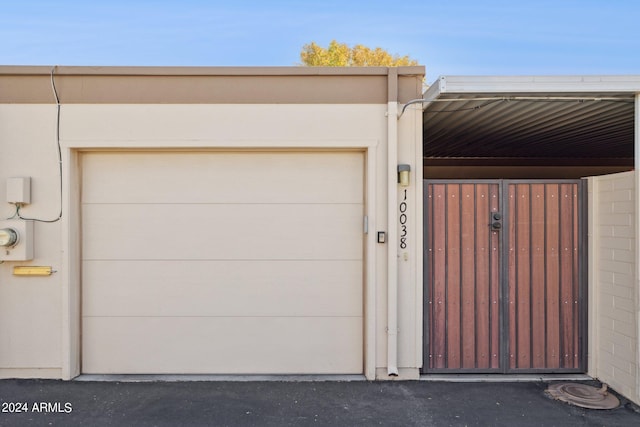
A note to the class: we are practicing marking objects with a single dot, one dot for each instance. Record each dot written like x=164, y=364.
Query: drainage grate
x=583, y=395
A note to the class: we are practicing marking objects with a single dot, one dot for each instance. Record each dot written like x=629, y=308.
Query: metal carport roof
x=555, y=119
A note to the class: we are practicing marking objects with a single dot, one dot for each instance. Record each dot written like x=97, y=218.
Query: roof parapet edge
x=208, y=71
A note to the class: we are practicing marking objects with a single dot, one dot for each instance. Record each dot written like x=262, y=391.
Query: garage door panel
x=223, y=231
x=222, y=262
x=222, y=288
x=239, y=345
x=317, y=177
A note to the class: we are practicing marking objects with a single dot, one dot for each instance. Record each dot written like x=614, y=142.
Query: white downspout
x=392, y=220
x=637, y=235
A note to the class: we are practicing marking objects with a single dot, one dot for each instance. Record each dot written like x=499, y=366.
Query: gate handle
x=497, y=221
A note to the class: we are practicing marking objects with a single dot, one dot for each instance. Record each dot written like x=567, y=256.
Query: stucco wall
x=37, y=313
x=31, y=307
x=613, y=298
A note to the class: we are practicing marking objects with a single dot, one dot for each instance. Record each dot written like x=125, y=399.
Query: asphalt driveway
x=275, y=403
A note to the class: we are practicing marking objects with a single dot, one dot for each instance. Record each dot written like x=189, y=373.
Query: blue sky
x=449, y=37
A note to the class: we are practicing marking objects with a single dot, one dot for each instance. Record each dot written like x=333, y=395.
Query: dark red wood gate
x=504, y=285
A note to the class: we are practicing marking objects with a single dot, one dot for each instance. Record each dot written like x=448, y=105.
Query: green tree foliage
x=341, y=55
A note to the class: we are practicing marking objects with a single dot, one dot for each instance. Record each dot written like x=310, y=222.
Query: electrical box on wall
x=19, y=190
x=16, y=240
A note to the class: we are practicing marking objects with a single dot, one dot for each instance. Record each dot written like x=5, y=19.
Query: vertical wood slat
x=552, y=275
x=468, y=252
x=483, y=277
x=454, y=266
x=567, y=276
x=494, y=287
x=437, y=268
x=538, y=320
x=429, y=275
x=523, y=275
x=578, y=319
x=512, y=278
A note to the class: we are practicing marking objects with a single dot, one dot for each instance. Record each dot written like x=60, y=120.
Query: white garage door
x=222, y=262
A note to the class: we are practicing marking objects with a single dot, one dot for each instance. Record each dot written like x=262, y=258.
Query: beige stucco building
x=253, y=221
x=214, y=220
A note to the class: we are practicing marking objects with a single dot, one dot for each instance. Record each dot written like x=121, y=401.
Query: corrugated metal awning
x=530, y=117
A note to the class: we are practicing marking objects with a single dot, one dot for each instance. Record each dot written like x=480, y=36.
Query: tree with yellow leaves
x=341, y=55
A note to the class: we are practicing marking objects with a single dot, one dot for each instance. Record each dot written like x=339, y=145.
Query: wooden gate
x=504, y=287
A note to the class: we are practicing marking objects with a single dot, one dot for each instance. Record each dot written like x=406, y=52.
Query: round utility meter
x=8, y=237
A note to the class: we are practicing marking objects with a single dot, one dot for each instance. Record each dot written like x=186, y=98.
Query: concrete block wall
x=614, y=357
